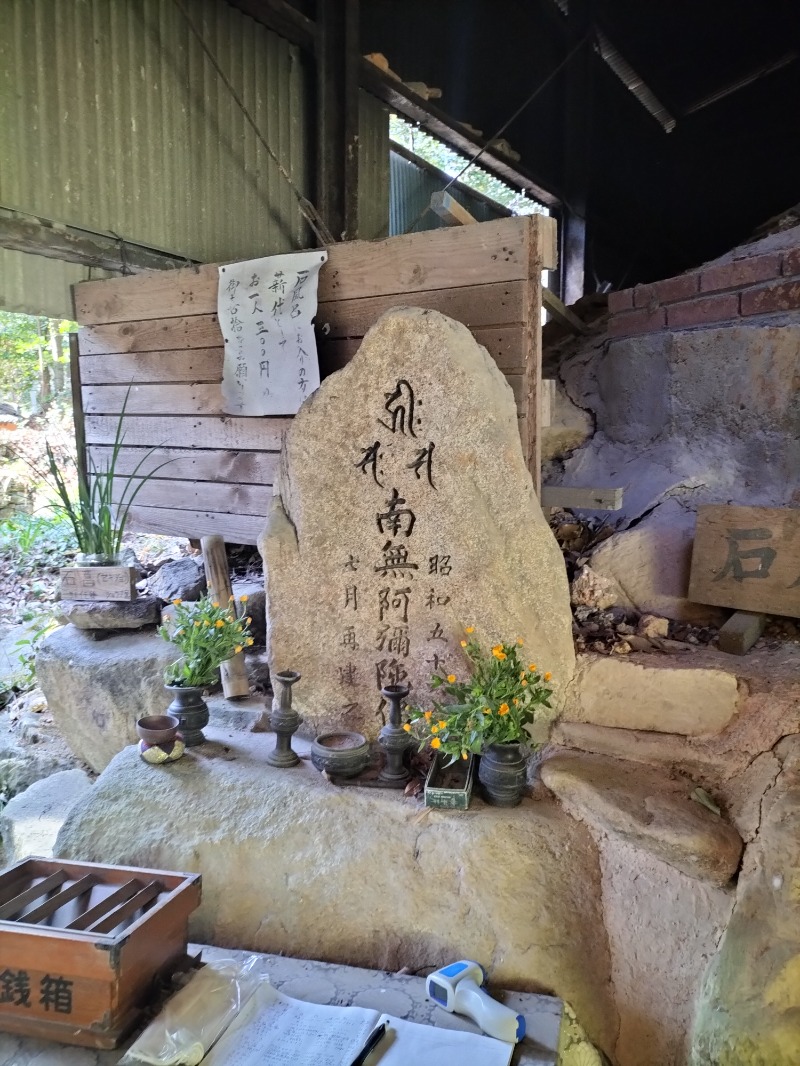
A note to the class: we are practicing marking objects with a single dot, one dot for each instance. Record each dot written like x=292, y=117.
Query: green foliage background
x=22, y=338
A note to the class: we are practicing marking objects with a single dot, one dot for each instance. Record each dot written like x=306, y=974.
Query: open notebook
x=280, y=1031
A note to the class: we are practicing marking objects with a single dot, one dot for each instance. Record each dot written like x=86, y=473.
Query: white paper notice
x=266, y=307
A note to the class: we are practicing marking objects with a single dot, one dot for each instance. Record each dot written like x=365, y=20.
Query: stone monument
x=405, y=513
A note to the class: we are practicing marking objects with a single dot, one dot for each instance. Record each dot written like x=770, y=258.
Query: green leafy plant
x=36, y=542
x=97, y=519
x=502, y=701
x=207, y=635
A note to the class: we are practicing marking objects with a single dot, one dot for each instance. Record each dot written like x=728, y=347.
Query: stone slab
x=647, y=694
x=327, y=983
x=30, y=822
x=648, y=809
x=355, y=875
x=108, y=614
x=406, y=512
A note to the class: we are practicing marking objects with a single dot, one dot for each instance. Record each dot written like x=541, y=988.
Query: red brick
x=666, y=292
x=707, y=309
x=620, y=301
x=791, y=262
x=785, y=296
x=631, y=323
x=740, y=273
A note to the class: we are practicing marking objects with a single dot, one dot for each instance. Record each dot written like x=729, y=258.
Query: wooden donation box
x=82, y=946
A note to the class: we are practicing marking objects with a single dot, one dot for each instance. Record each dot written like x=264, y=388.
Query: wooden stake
x=235, y=684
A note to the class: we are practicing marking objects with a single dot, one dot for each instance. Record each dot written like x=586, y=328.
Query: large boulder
x=406, y=512
x=96, y=689
x=30, y=822
x=359, y=876
x=749, y=1012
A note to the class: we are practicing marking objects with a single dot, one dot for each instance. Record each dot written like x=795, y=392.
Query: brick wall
x=762, y=284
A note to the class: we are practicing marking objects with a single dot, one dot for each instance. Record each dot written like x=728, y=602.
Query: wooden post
x=235, y=683
x=77, y=407
x=542, y=255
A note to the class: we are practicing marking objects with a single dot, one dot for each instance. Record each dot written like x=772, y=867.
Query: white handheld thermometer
x=459, y=987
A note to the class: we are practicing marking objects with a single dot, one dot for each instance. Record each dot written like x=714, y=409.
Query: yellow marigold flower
x=249, y=642
x=442, y=724
x=230, y=597
x=532, y=667
x=515, y=701
x=237, y=649
x=504, y=708
x=524, y=682
x=243, y=599
x=436, y=743
x=215, y=605
x=197, y=623
x=428, y=715
x=487, y=710
x=548, y=676
x=520, y=641
x=464, y=755
x=451, y=678
x=247, y=621
x=498, y=652
x=463, y=644
x=218, y=624
x=470, y=629
x=407, y=727
x=177, y=602
x=434, y=729
x=206, y=622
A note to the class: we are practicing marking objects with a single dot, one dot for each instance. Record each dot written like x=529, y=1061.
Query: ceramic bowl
x=340, y=754
x=157, y=728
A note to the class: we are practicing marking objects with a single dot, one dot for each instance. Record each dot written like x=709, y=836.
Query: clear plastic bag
x=195, y=1017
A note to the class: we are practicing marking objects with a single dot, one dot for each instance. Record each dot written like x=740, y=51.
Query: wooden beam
x=77, y=407
x=53, y=240
x=450, y=210
x=233, y=672
x=557, y=309
x=582, y=499
x=407, y=103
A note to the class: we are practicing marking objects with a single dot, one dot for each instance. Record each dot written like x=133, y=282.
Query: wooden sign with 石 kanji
x=747, y=558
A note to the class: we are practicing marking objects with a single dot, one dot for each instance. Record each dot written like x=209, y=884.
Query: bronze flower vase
x=502, y=772
x=191, y=710
x=284, y=720
x=394, y=740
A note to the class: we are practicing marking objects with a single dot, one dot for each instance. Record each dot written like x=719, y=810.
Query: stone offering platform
x=363, y=876
x=319, y=982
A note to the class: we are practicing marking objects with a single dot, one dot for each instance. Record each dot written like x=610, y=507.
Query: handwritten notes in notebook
x=287, y=1032
x=266, y=307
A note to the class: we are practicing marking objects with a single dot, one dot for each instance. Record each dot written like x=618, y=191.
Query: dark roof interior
x=656, y=202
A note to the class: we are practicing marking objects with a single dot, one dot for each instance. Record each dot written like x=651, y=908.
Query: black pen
x=372, y=1042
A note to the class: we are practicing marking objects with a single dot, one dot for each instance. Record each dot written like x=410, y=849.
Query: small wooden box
x=82, y=946
x=99, y=583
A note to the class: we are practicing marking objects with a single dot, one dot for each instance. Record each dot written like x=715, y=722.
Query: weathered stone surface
x=482, y=551
x=182, y=579
x=749, y=1011
x=109, y=614
x=648, y=809
x=31, y=748
x=589, y=589
x=662, y=928
x=359, y=876
x=97, y=689
x=649, y=693
x=30, y=822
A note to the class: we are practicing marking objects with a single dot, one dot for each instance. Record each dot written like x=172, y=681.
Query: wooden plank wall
x=159, y=331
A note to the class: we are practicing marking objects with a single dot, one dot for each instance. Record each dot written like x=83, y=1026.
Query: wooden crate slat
x=152, y=335
x=202, y=431
x=127, y=909
x=191, y=495
x=56, y=902
x=192, y=464
x=187, y=399
x=119, y=895
x=54, y=880
x=193, y=364
x=236, y=529
x=415, y=262
x=477, y=306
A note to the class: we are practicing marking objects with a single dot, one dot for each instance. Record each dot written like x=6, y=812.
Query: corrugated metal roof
x=373, y=168
x=411, y=189
x=112, y=118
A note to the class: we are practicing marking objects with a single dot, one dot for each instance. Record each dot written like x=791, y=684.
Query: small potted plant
x=504, y=704
x=207, y=634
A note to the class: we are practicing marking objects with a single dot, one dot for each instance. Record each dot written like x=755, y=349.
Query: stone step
x=31, y=821
x=648, y=809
